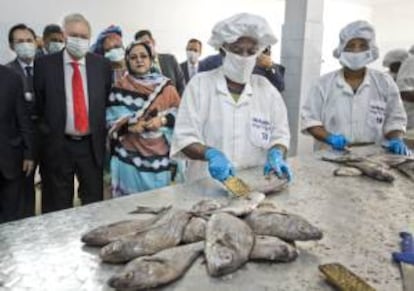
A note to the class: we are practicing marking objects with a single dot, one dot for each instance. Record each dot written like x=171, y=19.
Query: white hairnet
x=411, y=50
x=243, y=24
x=357, y=29
x=394, y=56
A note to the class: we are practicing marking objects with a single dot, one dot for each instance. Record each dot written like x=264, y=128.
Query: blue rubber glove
x=277, y=164
x=398, y=147
x=219, y=166
x=337, y=141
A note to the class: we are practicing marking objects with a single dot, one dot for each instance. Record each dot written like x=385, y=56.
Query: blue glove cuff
x=210, y=152
x=275, y=153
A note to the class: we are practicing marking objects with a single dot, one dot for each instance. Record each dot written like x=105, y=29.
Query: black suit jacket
x=171, y=69
x=49, y=84
x=27, y=85
x=184, y=69
x=15, y=127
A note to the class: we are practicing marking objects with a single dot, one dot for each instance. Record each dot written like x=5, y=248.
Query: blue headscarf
x=97, y=47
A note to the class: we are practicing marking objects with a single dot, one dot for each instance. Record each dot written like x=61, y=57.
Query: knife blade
x=406, y=260
x=343, y=279
x=237, y=186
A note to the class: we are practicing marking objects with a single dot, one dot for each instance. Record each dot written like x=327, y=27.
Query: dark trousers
x=10, y=196
x=78, y=160
x=28, y=201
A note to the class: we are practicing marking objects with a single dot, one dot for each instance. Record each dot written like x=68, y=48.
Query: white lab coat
x=374, y=110
x=405, y=82
x=244, y=131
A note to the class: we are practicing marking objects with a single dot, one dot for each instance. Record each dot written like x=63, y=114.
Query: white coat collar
x=221, y=87
x=342, y=84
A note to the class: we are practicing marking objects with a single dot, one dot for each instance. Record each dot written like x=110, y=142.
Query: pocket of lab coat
x=376, y=113
x=260, y=131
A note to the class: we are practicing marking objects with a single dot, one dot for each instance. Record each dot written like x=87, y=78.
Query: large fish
x=390, y=159
x=140, y=209
x=156, y=270
x=165, y=233
x=106, y=234
x=237, y=206
x=373, y=170
x=195, y=230
x=229, y=241
x=341, y=157
x=407, y=168
x=290, y=227
x=347, y=172
x=270, y=248
x=208, y=206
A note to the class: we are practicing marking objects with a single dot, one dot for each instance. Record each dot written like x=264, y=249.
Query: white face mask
x=25, y=50
x=355, y=61
x=192, y=56
x=115, y=54
x=55, y=46
x=76, y=46
x=238, y=68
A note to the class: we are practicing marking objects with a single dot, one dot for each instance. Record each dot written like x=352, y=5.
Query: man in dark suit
x=166, y=63
x=15, y=144
x=193, y=51
x=22, y=40
x=72, y=87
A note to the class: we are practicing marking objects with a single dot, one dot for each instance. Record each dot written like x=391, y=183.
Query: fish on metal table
x=164, y=233
x=290, y=227
x=373, y=170
x=195, y=230
x=237, y=206
x=240, y=206
x=140, y=209
x=105, y=234
x=407, y=168
x=229, y=241
x=159, y=269
x=208, y=206
x=270, y=248
x=347, y=172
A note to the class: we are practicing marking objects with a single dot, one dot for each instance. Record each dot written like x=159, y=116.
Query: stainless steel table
x=360, y=217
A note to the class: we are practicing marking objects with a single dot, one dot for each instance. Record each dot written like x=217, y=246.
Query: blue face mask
x=115, y=54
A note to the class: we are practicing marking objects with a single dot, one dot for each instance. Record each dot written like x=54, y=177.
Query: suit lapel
x=185, y=71
x=18, y=68
x=60, y=82
x=91, y=76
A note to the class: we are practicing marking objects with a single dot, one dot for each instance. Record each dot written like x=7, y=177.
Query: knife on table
x=406, y=260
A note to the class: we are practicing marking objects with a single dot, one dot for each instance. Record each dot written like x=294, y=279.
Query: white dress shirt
x=70, y=122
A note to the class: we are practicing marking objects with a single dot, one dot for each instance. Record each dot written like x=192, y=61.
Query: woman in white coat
x=229, y=117
x=356, y=104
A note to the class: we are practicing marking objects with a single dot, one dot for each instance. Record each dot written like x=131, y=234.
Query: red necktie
x=79, y=104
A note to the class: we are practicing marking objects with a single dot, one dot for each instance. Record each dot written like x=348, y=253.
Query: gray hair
x=76, y=17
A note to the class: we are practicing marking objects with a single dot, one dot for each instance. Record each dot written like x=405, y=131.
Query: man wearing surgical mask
x=109, y=44
x=356, y=104
x=191, y=66
x=229, y=118
x=72, y=87
x=22, y=42
x=53, y=40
